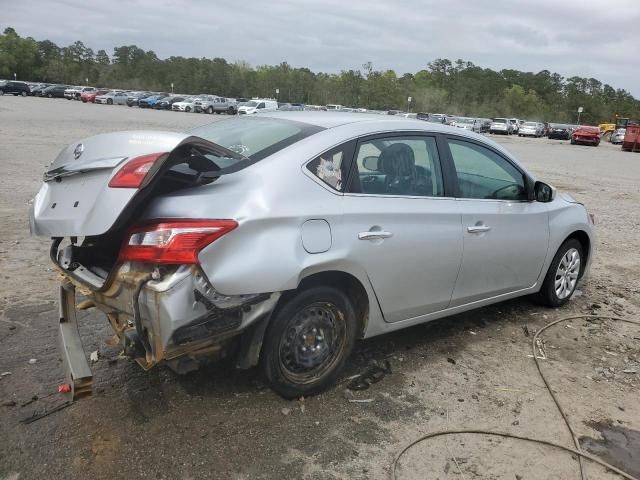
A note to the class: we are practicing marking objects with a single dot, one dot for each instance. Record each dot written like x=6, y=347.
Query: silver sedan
x=112, y=98
x=282, y=238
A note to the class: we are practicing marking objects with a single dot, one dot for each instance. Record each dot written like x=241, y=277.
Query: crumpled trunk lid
x=75, y=199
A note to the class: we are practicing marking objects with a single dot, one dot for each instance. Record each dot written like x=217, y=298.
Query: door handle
x=374, y=235
x=478, y=229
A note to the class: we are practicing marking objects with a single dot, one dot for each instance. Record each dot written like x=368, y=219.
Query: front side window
x=407, y=166
x=483, y=173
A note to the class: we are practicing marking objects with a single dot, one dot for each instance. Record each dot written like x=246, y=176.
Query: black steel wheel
x=308, y=341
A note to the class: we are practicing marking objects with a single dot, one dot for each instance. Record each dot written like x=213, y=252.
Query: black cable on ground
x=576, y=451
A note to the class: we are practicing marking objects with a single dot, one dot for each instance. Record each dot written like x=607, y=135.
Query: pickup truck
x=74, y=93
x=215, y=104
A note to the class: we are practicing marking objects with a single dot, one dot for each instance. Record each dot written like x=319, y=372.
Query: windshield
x=464, y=120
x=252, y=138
x=252, y=103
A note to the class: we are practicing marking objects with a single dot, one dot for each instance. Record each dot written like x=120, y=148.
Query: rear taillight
x=133, y=173
x=172, y=241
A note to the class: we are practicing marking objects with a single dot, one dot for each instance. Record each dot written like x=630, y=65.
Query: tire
x=289, y=358
x=549, y=295
x=231, y=111
x=49, y=95
x=1, y=92
x=210, y=110
x=109, y=101
x=188, y=109
x=24, y=94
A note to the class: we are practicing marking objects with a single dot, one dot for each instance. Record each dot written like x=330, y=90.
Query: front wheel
x=109, y=101
x=562, y=277
x=308, y=342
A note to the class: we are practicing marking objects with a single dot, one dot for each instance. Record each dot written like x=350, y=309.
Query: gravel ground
x=468, y=371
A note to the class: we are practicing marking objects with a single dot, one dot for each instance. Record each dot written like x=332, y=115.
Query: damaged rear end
x=145, y=277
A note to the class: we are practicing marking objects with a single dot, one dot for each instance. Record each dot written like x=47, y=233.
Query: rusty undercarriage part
x=74, y=361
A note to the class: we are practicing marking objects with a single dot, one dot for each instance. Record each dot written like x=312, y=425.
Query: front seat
x=398, y=163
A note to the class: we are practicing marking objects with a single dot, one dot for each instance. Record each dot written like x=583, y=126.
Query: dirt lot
x=469, y=371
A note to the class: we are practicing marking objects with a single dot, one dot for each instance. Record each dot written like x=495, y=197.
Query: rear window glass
x=255, y=138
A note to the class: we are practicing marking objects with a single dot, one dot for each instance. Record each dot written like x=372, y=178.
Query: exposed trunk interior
x=190, y=165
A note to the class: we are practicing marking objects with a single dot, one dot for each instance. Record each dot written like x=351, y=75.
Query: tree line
x=457, y=87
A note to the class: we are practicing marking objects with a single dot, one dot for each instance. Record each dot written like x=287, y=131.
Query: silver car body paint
x=292, y=225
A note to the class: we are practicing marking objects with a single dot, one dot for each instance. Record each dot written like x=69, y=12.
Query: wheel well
x=583, y=238
x=346, y=283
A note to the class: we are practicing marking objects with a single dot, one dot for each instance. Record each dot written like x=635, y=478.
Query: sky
x=586, y=38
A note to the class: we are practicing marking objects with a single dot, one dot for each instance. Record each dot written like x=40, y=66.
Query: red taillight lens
x=173, y=241
x=132, y=174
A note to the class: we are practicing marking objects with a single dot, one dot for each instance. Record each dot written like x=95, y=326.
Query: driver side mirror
x=544, y=193
x=370, y=163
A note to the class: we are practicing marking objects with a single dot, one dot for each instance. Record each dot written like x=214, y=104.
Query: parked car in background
x=134, y=97
x=151, y=100
x=618, y=136
x=559, y=131
x=161, y=234
x=586, y=135
x=531, y=129
x=260, y=105
x=291, y=107
x=166, y=102
x=74, y=93
x=53, y=91
x=90, y=96
x=472, y=124
x=12, y=87
x=437, y=118
x=333, y=107
x=485, y=125
x=35, y=90
x=114, y=97
x=501, y=125
x=186, y=105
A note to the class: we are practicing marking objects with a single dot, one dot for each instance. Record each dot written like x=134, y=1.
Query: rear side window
x=332, y=167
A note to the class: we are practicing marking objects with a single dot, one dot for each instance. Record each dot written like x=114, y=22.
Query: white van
x=258, y=105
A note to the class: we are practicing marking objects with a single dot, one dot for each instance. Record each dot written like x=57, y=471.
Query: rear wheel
x=308, y=342
x=50, y=96
x=563, y=275
x=109, y=101
x=231, y=111
x=188, y=109
x=24, y=94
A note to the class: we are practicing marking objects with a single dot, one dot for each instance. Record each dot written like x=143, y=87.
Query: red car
x=91, y=96
x=586, y=135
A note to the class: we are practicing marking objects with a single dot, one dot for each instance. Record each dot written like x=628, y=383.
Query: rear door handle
x=374, y=235
x=478, y=229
